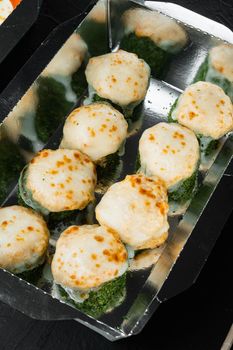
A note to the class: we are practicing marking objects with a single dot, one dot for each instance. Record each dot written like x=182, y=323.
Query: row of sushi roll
x=53, y=95
x=6, y=8
x=152, y=36
x=32, y=122
x=91, y=261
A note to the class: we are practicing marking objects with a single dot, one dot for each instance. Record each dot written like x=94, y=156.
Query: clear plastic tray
x=177, y=267
x=17, y=24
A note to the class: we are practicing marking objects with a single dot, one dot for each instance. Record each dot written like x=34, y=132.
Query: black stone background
x=197, y=319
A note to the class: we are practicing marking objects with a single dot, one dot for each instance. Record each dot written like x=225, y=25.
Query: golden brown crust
x=136, y=209
x=88, y=256
x=61, y=180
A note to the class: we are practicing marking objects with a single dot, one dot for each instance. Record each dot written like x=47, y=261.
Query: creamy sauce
x=55, y=292
x=28, y=130
x=66, y=82
x=77, y=295
x=74, y=295
x=170, y=46
x=91, y=93
x=133, y=127
x=146, y=259
x=130, y=251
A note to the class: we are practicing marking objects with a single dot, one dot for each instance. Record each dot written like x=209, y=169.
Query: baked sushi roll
x=120, y=78
x=24, y=239
x=205, y=109
x=98, y=130
x=60, y=85
x=6, y=8
x=89, y=269
x=171, y=152
x=94, y=29
x=153, y=37
x=136, y=209
x=218, y=68
x=58, y=181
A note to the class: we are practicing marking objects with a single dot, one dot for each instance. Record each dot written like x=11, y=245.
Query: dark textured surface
x=198, y=319
x=52, y=13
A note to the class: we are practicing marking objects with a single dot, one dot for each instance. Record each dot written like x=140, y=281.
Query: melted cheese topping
x=68, y=59
x=88, y=128
x=26, y=107
x=205, y=109
x=23, y=239
x=120, y=77
x=99, y=12
x=88, y=256
x=221, y=59
x=169, y=151
x=61, y=180
x=162, y=30
x=5, y=9
x=136, y=209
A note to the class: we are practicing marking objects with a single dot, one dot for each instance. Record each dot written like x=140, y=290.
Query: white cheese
x=136, y=209
x=61, y=180
x=169, y=151
x=88, y=256
x=162, y=30
x=97, y=130
x=23, y=239
x=206, y=109
x=120, y=77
